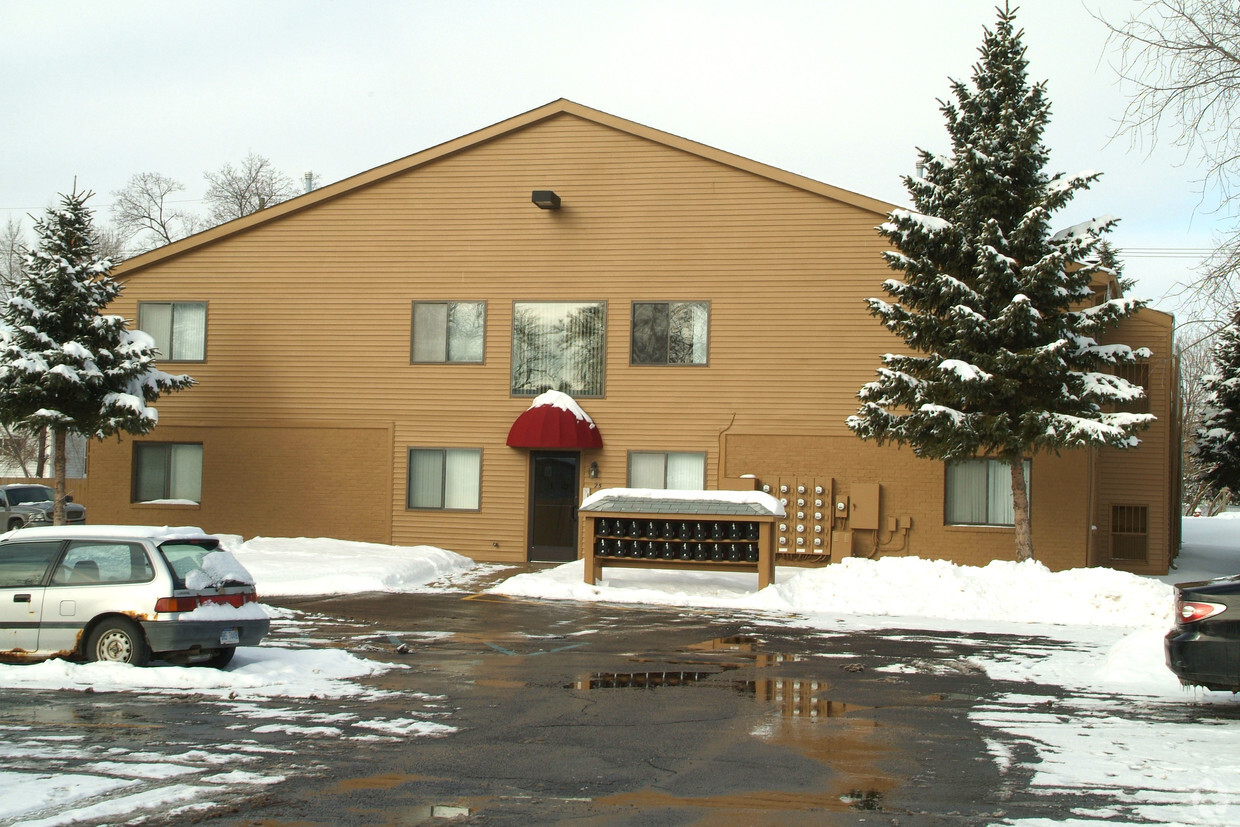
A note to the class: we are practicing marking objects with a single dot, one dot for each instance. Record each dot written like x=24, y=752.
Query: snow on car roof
x=157, y=534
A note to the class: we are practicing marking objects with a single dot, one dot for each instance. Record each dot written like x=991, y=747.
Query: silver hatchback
x=124, y=593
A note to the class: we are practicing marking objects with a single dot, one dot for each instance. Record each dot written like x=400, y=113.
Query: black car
x=1204, y=647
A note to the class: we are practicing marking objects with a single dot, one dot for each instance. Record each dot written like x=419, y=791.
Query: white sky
x=839, y=91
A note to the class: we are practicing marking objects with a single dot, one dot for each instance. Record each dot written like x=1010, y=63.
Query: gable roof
x=534, y=116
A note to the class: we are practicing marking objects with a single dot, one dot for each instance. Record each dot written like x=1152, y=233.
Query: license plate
x=229, y=637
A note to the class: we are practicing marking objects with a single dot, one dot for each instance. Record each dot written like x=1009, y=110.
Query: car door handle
x=21, y=598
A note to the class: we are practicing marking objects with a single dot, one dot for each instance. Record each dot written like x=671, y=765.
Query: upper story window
x=669, y=333
x=178, y=328
x=1136, y=373
x=448, y=332
x=667, y=469
x=558, y=346
x=979, y=492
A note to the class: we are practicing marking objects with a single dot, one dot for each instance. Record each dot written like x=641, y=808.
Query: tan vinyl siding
x=309, y=322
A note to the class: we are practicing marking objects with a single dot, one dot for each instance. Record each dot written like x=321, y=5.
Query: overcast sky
x=839, y=91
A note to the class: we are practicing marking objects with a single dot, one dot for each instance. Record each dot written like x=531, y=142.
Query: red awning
x=553, y=422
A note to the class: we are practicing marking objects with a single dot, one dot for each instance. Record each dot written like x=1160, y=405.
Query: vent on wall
x=1130, y=533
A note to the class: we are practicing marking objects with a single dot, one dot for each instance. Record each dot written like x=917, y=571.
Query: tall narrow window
x=1136, y=373
x=979, y=492
x=1130, y=538
x=448, y=331
x=667, y=469
x=167, y=471
x=178, y=328
x=669, y=333
x=558, y=346
x=445, y=478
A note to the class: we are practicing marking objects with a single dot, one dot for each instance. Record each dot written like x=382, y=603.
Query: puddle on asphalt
x=385, y=781
x=845, y=737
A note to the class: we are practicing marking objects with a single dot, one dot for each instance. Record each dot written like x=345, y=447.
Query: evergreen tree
x=1218, y=439
x=63, y=364
x=995, y=306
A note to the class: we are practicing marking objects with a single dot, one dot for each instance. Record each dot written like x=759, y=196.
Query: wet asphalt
x=604, y=714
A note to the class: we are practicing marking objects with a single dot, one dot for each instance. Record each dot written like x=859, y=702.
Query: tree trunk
x=58, y=508
x=41, y=463
x=1020, y=510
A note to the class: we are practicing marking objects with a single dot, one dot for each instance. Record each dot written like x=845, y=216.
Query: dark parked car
x=126, y=594
x=24, y=504
x=1204, y=647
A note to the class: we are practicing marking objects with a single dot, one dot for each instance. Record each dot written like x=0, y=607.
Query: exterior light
x=546, y=199
x=594, y=470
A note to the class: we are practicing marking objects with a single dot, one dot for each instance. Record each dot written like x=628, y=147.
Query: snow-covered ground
x=1122, y=722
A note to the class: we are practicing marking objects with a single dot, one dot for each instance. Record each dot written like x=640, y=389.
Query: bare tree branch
x=253, y=186
x=144, y=214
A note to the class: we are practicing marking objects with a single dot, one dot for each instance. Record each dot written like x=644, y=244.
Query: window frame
x=135, y=481
x=447, y=360
x=667, y=364
x=628, y=479
x=168, y=357
x=576, y=393
x=992, y=462
x=443, y=480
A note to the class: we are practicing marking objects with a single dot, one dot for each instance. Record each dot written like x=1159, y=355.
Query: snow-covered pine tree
x=63, y=364
x=1218, y=439
x=997, y=308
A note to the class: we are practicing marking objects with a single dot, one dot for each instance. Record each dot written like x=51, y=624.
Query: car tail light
x=1190, y=611
x=188, y=604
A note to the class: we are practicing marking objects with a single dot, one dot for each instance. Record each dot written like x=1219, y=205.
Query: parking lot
x=506, y=711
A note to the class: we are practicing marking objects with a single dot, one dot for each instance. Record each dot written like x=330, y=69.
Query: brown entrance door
x=553, y=505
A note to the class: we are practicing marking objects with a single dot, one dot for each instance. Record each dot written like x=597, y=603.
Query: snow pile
x=895, y=587
x=256, y=672
x=301, y=566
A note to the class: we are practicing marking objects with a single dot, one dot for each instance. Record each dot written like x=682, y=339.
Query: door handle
x=21, y=598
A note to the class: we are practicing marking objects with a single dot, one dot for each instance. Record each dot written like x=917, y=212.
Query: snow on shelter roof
x=464, y=142
x=661, y=501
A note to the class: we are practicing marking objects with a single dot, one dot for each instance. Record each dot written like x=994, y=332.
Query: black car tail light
x=1190, y=611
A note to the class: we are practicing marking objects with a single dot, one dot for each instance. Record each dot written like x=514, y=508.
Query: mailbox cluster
x=717, y=541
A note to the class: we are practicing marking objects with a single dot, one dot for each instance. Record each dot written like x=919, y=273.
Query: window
x=1136, y=373
x=979, y=492
x=447, y=331
x=88, y=562
x=669, y=333
x=667, y=469
x=167, y=471
x=558, y=346
x=1130, y=539
x=26, y=564
x=447, y=478
x=178, y=328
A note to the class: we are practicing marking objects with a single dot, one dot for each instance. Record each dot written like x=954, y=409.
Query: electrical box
x=841, y=544
x=864, y=516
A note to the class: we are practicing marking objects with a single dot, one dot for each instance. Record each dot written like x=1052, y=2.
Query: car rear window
x=185, y=557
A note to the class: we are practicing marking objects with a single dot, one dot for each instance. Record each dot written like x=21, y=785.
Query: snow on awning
x=554, y=420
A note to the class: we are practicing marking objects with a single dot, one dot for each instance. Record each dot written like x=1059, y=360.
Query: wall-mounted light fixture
x=593, y=470
x=546, y=199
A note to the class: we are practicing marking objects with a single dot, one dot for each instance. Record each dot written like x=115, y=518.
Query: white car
x=126, y=594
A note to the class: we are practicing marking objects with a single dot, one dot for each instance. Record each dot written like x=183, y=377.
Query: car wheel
x=221, y=657
x=14, y=524
x=120, y=641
